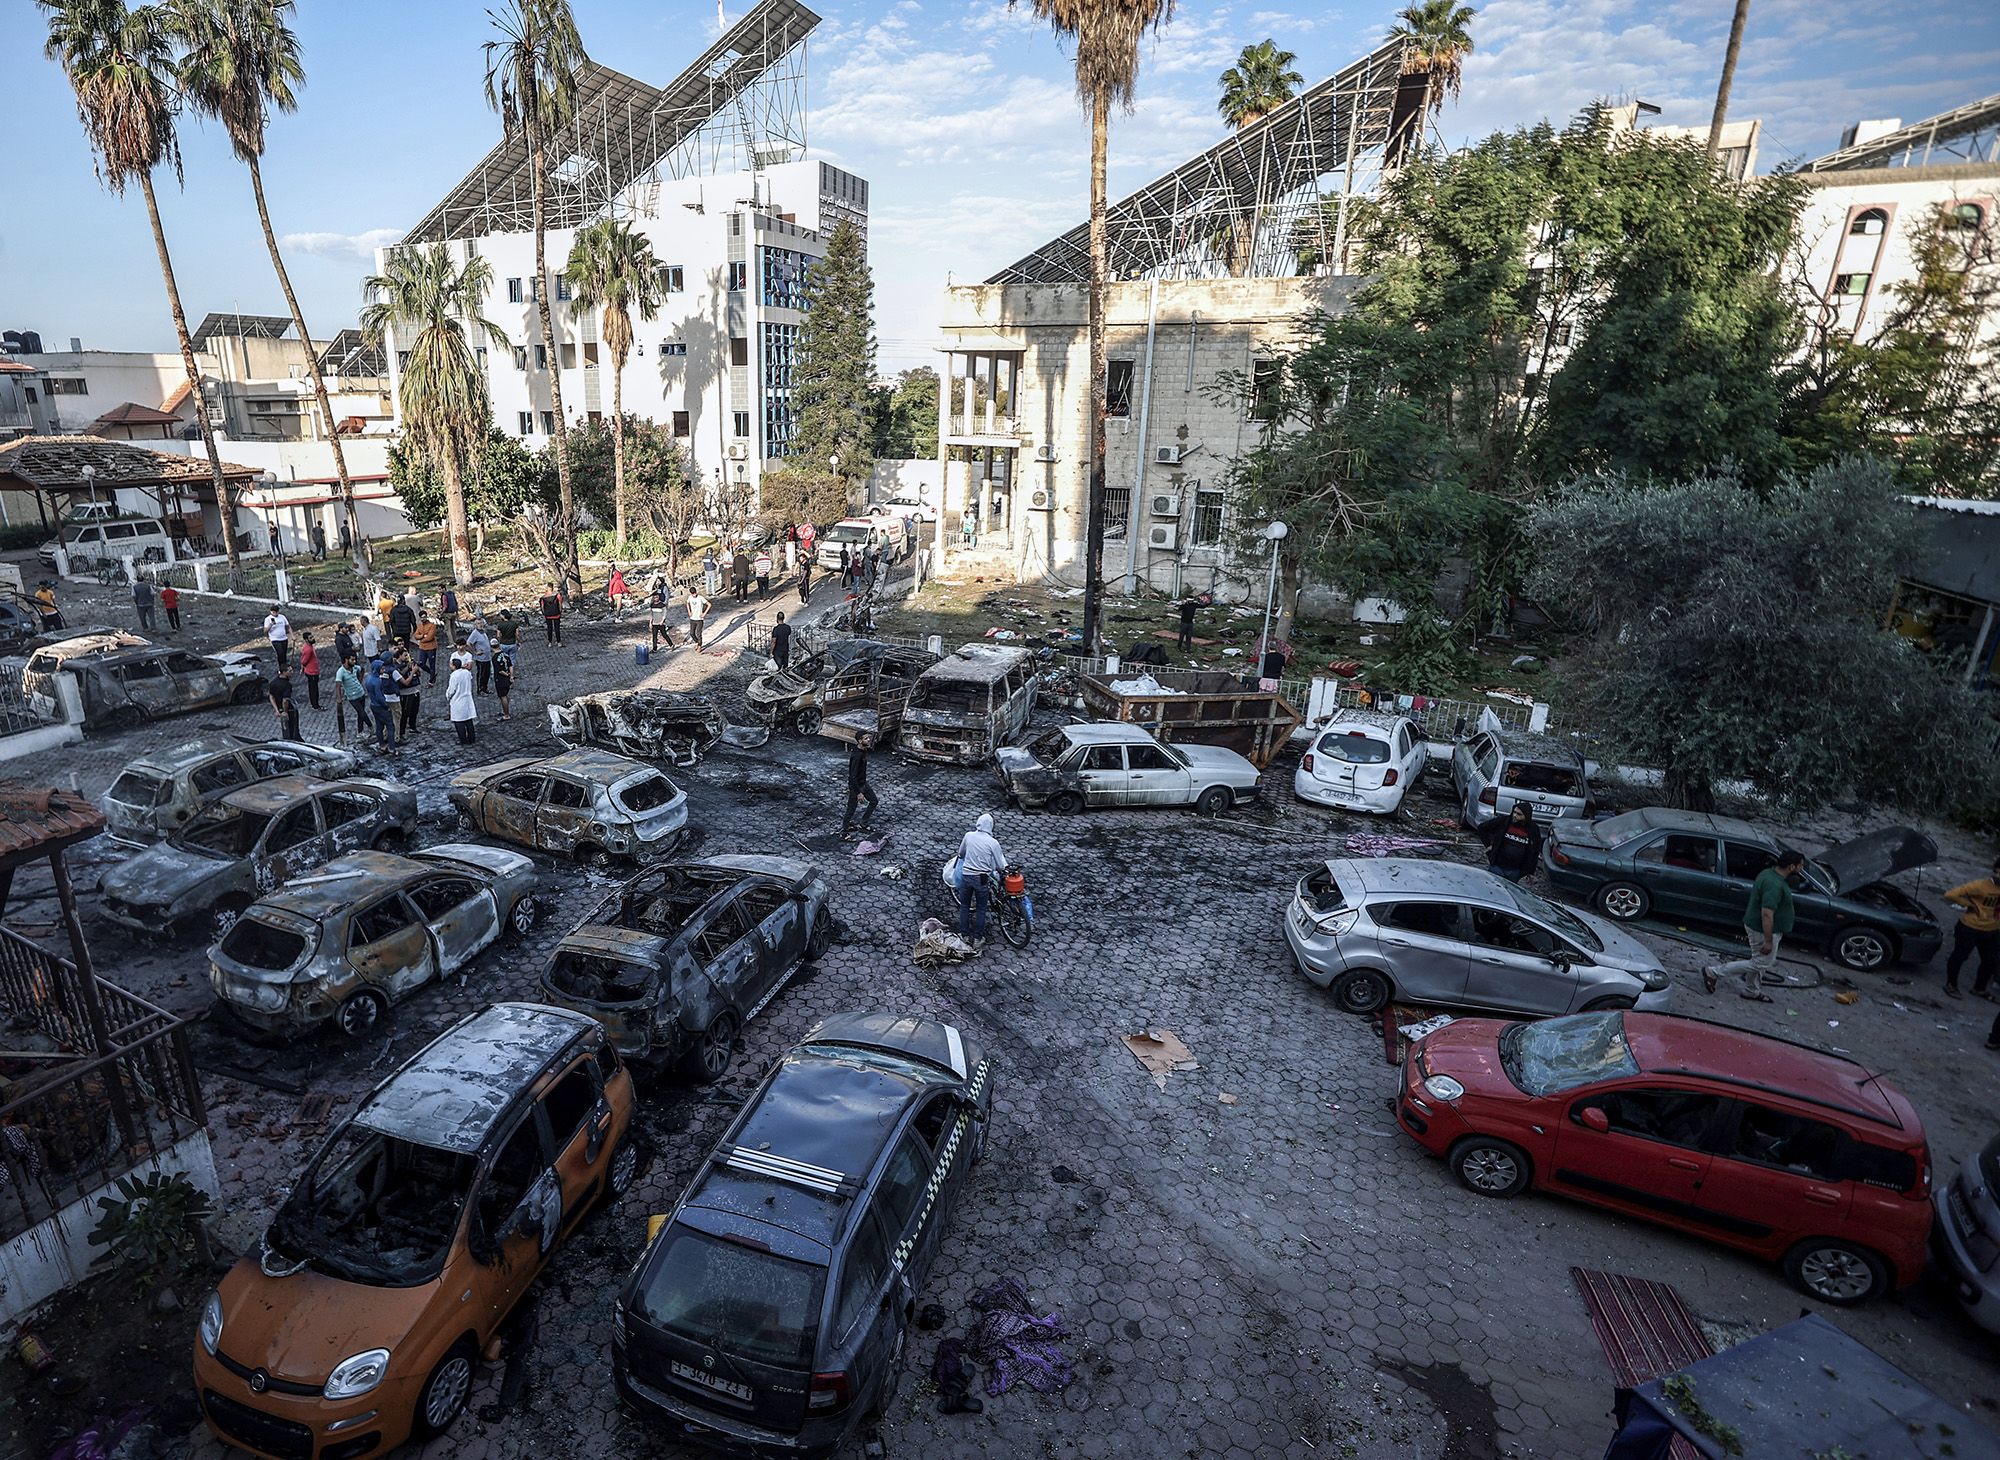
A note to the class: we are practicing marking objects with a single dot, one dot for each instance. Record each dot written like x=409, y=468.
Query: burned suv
x=680, y=958
x=593, y=805
x=164, y=789
x=770, y=1313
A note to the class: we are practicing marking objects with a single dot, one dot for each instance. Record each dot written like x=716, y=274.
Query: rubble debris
x=1388, y=844
x=938, y=945
x=1162, y=1053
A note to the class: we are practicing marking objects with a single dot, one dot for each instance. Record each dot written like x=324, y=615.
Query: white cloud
x=342, y=246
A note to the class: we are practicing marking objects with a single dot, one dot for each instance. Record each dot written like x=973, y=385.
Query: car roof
x=1668, y=1044
x=1532, y=745
x=275, y=794
x=611, y=941
x=181, y=757
x=1374, y=719
x=1106, y=733
x=1656, y=818
x=453, y=1091
x=1415, y=876
x=977, y=662
x=112, y=658
x=344, y=881
x=592, y=764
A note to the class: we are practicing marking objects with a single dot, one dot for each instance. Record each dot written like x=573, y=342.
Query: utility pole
x=1728, y=76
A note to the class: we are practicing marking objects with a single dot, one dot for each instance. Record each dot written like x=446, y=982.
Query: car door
x=389, y=947
x=267, y=761
x=1645, y=1151
x=218, y=774
x=866, y=1316
x=1411, y=753
x=944, y=1137
x=727, y=950
x=197, y=681
x=779, y=936
x=1681, y=873
x=147, y=685
x=514, y=1218
x=1516, y=964
x=1156, y=777
x=511, y=807
x=1741, y=862
x=295, y=842
x=1423, y=942
x=351, y=819
x=578, y=1130
x=1775, y=1177
x=1100, y=775
x=565, y=816
x=462, y=915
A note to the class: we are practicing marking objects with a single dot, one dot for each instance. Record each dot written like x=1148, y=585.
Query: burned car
x=124, y=686
x=1121, y=765
x=965, y=707
x=588, y=804
x=249, y=842
x=680, y=958
x=164, y=789
x=651, y=724
x=848, y=674
x=366, y=931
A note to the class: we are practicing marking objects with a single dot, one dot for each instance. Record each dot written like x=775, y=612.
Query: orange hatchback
x=416, y=1229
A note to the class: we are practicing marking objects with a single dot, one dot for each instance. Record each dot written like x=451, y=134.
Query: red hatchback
x=1803, y=1158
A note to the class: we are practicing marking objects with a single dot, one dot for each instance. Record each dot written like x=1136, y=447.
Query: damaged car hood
x=1877, y=855
x=300, y=1327
x=161, y=875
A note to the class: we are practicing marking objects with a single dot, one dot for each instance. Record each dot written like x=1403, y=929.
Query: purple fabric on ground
x=1015, y=1344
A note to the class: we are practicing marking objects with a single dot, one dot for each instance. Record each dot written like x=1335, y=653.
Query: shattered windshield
x=1561, y=1054
x=1535, y=777
x=255, y=943
x=952, y=696
x=225, y=831
x=374, y=1209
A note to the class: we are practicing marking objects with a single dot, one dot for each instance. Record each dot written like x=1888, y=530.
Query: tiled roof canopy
x=36, y=821
x=56, y=463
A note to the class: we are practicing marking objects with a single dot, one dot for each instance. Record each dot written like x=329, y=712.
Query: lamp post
x=1274, y=534
x=268, y=480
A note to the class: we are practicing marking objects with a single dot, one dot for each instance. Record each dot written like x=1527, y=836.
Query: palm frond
x=612, y=269
x=120, y=65
x=1106, y=34
x=240, y=61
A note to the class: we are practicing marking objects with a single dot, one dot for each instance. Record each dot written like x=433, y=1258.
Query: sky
x=960, y=113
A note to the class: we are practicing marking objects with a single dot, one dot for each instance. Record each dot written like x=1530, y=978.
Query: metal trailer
x=1202, y=706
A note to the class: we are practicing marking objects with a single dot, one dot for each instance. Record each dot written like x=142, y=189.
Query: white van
x=90, y=542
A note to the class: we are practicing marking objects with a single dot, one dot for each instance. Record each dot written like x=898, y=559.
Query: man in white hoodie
x=979, y=856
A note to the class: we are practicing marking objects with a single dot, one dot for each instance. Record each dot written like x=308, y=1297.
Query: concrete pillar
x=940, y=536
x=131, y=569
x=69, y=698
x=284, y=585
x=200, y=576
x=62, y=562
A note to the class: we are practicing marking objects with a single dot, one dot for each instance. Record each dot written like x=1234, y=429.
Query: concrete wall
x=110, y=377
x=897, y=478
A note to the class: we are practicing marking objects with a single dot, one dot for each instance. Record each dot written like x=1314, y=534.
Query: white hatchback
x=1362, y=762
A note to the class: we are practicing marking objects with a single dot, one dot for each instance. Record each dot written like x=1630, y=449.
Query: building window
x=739, y=276
x=541, y=357
x=1870, y=222
x=568, y=356
x=402, y=361
x=1207, y=517
x=1856, y=284
x=1118, y=389
x=593, y=416
x=29, y=392
x=1266, y=376
x=742, y=423
x=472, y=248
x=673, y=347
x=526, y=424
x=479, y=357
x=520, y=357
x=674, y=278
x=562, y=286
x=589, y=352
x=1117, y=511
x=1968, y=217
x=739, y=349
x=681, y=426
x=534, y=291
x=513, y=291
x=548, y=423
x=62, y=386
x=779, y=344
x=782, y=276
x=1562, y=334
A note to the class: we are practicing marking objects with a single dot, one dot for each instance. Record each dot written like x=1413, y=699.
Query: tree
x=240, y=61
x=800, y=494
x=835, y=359
x=423, y=297
x=1436, y=37
x=501, y=482
x=1727, y=645
x=612, y=269
x=1261, y=81
x=905, y=417
x=1107, y=35
x=120, y=64
x=650, y=451
x=1729, y=55
x=531, y=82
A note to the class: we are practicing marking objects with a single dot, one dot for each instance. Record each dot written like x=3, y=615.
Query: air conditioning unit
x=1045, y=452
x=1041, y=499
x=739, y=451
x=1168, y=455
x=1163, y=536
x=1166, y=504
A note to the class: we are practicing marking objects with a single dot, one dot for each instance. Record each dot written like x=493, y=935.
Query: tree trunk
x=455, y=531
x=360, y=548
x=1688, y=790
x=618, y=448
x=1100, y=268
x=1728, y=77
x=566, y=544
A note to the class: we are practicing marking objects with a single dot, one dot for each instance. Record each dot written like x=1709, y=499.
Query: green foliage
x=601, y=543
x=1426, y=656
x=1739, y=635
x=1262, y=80
x=155, y=1222
x=500, y=481
x=1679, y=1390
x=23, y=535
x=799, y=494
x=904, y=418
x=835, y=359
x=653, y=456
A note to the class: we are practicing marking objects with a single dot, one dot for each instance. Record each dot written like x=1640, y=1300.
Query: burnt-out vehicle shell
x=250, y=842
x=683, y=949
x=366, y=931
x=162, y=790
x=965, y=707
x=650, y=724
x=574, y=805
x=124, y=686
x=849, y=674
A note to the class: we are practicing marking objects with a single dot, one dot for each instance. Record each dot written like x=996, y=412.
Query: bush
x=155, y=1222
x=23, y=535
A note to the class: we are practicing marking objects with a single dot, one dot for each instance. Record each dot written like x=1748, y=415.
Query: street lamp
x=269, y=481
x=1276, y=533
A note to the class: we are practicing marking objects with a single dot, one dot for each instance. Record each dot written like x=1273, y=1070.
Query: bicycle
x=1009, y=907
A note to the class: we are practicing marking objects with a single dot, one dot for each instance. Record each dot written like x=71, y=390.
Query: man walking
x=425, y=637
x=739, y=570
x=1767, y=918
x=170, y=600
x=481, y=648
x=805, y=578
x=656, y=614
x=458, y=694
x=698, y=605
x=319, y=542
x=980, y=862
x=142, y=602
x=278, y=690
x=781, y=641
x=1977, y=931
x=551, y=614
x=858, y=791
x=278, y=629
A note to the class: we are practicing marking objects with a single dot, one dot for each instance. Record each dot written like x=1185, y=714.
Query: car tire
x=360, y=1012
x=1862, y=948
x=464, y=824
x=595, y=859
x=1065, y=803
x=820, y=939
x=806, y=722
x=1214, y=801
x=247, y=693
x=1623, y=902
x=1489, y=1167
x=708, y=1061
x=1362, y=991
x=892, y=1372
x=226, y=914
x=521, y=917
x=445, y=1392
x=624, y=1167
x=1836, y=1272
x=1608, y=1002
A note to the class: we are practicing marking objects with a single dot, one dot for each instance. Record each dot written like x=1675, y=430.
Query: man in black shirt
x=1188, y=605
x=278, y=690
x=781, y=641
x=858, y=791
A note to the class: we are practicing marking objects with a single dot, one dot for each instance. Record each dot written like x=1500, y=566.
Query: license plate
x=1541, y=810
x=711, y=1381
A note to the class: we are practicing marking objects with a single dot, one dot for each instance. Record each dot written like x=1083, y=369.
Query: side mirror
x=1594, y=1119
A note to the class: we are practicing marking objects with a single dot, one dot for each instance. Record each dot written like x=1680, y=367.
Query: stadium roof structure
x=218, y=324
x=745, y=93
x=349, y=353
x=1969, y=133
x=1258, y=190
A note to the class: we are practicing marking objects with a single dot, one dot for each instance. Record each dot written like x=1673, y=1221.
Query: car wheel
x=444, y=1394
x=624, y=1166
x=1862, y=948
x=821, y=937
x=1836, y=1272
x=806, y=722
x=226, y=914
x=1214, y=801
x=248, y=692
x=465, y=825
x=521, y=917
x=1489, y=1167
x=360, y=1012
x=1610, y=1001
x=1364, y=991
x=1065, y=803
x=1623, y=902
x=892, y=1373
x=709, y=1060
x=596, y=859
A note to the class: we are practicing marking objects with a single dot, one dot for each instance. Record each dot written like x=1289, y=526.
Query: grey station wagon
x=770, y=1314
x=1496, y=769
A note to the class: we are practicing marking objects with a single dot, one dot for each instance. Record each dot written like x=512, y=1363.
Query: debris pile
x=650, y=724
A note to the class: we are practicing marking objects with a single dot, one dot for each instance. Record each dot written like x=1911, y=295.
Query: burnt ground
x=1275, y=1273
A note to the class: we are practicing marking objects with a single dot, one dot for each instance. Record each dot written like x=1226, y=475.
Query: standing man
x=350, y=696
x=858, y=789
x=507, y=638
x=45, y=605
x=309, y=667
x=980, y=863
x=1767, y=918
x=458, y=694
x=409, y=692
x=762, y=568
x=278, y=690
x=616, y=591
x=781, y=641
x=378, y=708
x=319, y=542
x=481, y=648
x=1187, y=606
x=448, y=611
x=371, y=640
x=698, y=606
x=846, y=567
x=402, y=621
x=551, y=614
x=142, y=601
x=278, y=629
x=392, y=695
x=739, y=570
x=343, y=644
x=170, y=600
x=1513, y=846
x=656, y=613
x=425, y=637
x=805, y=578
x=711, y=571
x=1977, y=931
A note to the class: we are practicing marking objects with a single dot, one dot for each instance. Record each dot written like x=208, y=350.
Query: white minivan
x=142, y=538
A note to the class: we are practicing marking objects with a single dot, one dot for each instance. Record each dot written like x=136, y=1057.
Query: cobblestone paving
x=1281, y=1274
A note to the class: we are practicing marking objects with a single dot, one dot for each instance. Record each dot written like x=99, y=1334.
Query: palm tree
x=423, y=298
x=120, y=65
x=241, y=61
x=531, y=82
x=1729, y=55
x=612, y=268
x=1436, y=37
x=1260, y=82
x=1107, y=35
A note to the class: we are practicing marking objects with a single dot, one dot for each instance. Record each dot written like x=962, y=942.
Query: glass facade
x=780, y=347
x=783, y=272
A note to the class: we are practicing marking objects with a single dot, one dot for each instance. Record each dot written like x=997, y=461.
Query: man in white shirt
x=458, y=696
x=278, y=629
x=979, y=855
x=371, y=639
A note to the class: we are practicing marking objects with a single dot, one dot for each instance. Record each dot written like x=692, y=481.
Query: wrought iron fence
x=18, y=711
